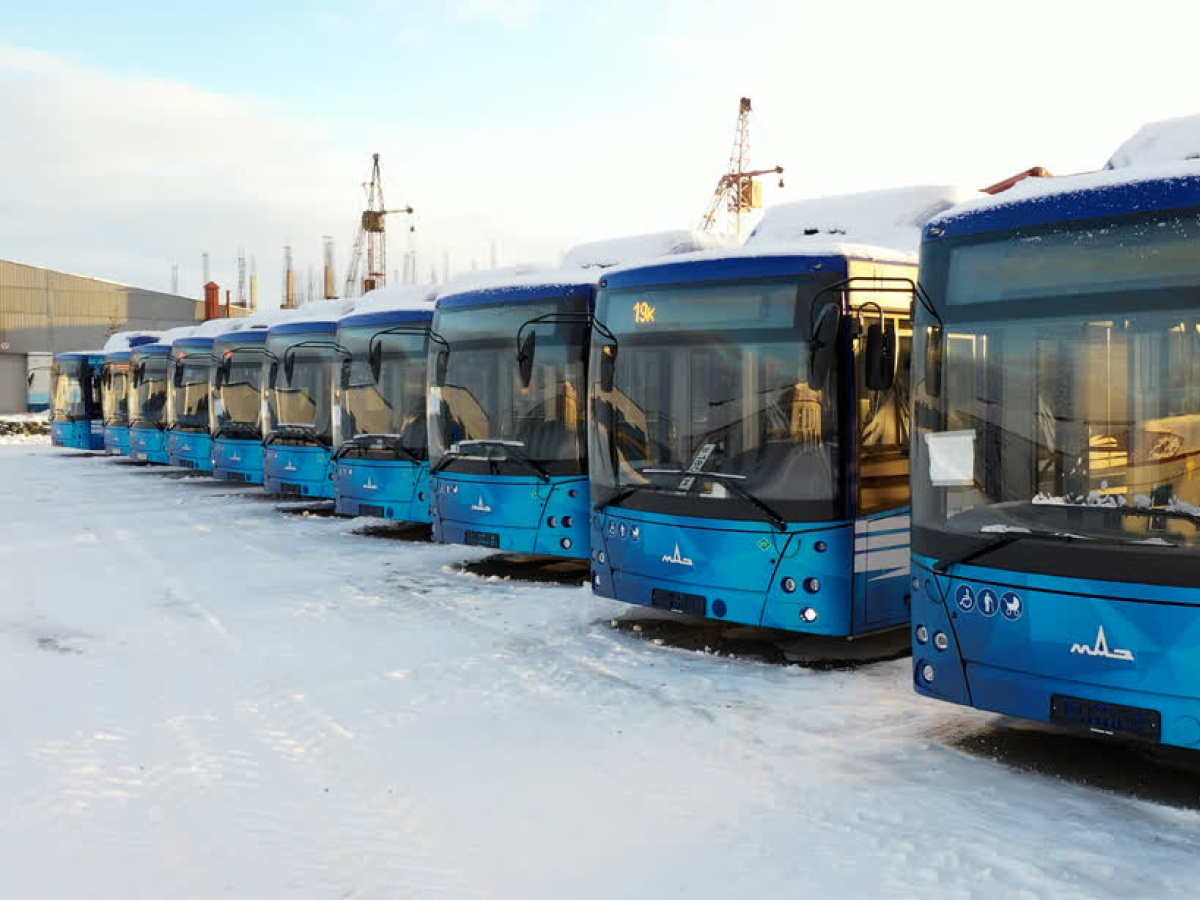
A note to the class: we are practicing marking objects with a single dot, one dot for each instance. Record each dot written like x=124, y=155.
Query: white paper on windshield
x=951, y=458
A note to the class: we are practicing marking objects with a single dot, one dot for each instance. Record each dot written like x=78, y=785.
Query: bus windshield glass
x=68, y=401
x=189, y=392
x=235, y=409
x=116, y=394
x=299, y=389
x=148, y=399
x=1062, y=395
x=715, y=379
x=485, y=399
x=388, y=405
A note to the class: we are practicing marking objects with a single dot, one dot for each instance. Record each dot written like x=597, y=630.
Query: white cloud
x=509, y=13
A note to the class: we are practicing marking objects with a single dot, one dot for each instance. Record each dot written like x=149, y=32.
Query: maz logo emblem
x=678, y=559
x=1100, y=648
x=480, y=506
x=370, y=485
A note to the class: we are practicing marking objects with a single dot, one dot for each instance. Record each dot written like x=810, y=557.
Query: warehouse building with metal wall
x=44, y=312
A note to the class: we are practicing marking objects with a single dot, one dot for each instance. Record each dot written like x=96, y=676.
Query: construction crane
x=737, y=192
x=371, y=234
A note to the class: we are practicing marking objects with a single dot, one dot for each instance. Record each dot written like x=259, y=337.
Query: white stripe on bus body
x=890, y=523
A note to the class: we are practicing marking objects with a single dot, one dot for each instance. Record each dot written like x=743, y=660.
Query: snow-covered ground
x=202, y=697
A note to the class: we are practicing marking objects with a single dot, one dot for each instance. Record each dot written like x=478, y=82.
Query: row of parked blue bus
x=994, y=443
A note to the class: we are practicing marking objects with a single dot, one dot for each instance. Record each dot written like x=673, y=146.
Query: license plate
x=366, y=509
x=1106, y=718
x=286, y=487
x=674, y=601
x=482, y=539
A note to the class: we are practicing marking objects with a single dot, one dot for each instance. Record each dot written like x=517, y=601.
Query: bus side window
x=882, y=430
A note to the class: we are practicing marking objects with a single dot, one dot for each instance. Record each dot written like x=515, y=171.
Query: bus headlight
x=808, y=614
x=940, y=640
x=788, y=584
x=927, y=673
x=812, y=585
x=923, y=634
x=566, y=543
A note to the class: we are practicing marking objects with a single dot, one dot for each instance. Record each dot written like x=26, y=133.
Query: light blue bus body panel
x=237, y=460
x=190, y=450
x=149, y=445
x=298, y=471
x=387, y=489
x=516, y=514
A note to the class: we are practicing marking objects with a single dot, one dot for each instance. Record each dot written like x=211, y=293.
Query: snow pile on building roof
x=861, y=223
x=415, y=297
x=1172, y=140
x=119, y=342
x=587, y=263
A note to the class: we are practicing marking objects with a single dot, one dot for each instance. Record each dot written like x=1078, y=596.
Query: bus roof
x=1157, y=168
x=406, y=303
x=820, y=234
x=577, y=275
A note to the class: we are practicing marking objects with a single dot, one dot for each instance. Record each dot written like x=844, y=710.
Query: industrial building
x=44, y=312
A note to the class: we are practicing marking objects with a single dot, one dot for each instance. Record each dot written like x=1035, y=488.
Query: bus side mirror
x=345, y=373
x=824, y=344
x=273, y=374
x=608, y=367
x=440, y=367
x=376, y=360
x=933, y=361
x=879, y=357
x=289, y=366
x=177, y=374
x=29, y=379
x=226, y=367
x=525, y=358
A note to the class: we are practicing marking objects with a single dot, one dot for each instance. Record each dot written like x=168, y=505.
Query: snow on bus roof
x=880, y=225
x=417, y=297
x=1158, y=151
x=587, y=263
x=1171, y=140
x=119, y=342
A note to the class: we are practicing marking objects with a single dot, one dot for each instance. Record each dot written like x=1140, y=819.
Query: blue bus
x=115, y=382
x=507, y=404
x=1056, y=492
x=76, y=406
x=298, y=405
x=381, y=460
x=189, y=367
x=148, y=391
x=235, y=404
x=749, y=438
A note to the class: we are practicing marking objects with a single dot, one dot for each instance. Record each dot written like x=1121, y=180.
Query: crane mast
x=737, y=192
x=372, y=236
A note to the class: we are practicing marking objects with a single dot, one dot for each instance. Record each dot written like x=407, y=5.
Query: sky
x=140, y=135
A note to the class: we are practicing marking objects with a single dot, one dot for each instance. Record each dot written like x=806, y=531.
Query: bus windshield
x=485, y=399
x=68, y=402
x=390, y=408
x=116, y=394
x=148, y=399
x=715, y=379
x=189, y=392
x=1055, y=401
x=235, y=405
x=299, y=388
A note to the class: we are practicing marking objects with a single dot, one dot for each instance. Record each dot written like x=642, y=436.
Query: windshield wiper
x=387, y=441
x=628, y=491
x=731, y=482
x=487, y=444
x=295, y=432
x=1001, y=540
x=234, y=428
